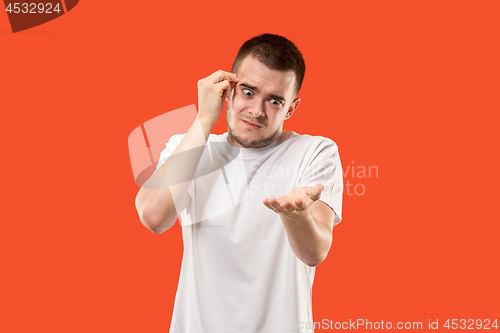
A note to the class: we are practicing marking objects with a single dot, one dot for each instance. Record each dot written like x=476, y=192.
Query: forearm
x=165, y=194
x=309, y=239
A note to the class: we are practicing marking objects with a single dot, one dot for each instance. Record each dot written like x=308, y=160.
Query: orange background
x=411, y=87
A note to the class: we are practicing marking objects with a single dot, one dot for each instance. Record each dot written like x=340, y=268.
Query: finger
x=233, y=85
x=287, y=206
x=225, y=88
x=304, y=190
x=221, y=75
x=276, y=205
x=266, y=203
x=300, y=204
x=234, y=77
x=315, y=192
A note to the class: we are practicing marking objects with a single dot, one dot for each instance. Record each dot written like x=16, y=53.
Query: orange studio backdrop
x=408, y=90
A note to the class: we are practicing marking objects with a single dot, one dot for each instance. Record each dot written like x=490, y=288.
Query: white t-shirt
x=239, y=273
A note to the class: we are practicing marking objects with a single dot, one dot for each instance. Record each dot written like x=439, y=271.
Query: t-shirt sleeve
x=324, y=167
x=170, y=146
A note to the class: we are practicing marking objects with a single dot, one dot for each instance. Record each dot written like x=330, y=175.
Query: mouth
x=251, y=125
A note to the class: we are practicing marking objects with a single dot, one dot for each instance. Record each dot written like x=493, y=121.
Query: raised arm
x=164, y=195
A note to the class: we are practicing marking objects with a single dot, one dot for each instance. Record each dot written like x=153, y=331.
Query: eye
x=249, y=92
x=276, y=102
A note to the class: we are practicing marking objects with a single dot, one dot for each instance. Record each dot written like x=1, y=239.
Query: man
x=257, y=204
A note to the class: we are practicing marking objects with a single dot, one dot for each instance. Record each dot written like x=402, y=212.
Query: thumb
x=315, y=193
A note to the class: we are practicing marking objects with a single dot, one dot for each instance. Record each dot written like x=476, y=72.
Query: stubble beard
x=258, y=143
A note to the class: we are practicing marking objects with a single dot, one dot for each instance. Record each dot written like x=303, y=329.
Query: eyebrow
x=274, y=96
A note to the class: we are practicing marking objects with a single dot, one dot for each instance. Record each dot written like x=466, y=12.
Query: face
x=258, y=104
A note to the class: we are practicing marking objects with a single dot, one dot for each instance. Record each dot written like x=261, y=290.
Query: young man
x=257, y=204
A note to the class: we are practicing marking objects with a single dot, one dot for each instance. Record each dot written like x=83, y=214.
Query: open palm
x=295, y=202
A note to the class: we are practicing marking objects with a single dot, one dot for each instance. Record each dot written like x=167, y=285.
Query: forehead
x=255, y=73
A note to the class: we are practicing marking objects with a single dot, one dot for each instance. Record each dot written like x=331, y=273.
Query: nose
x=257, y=110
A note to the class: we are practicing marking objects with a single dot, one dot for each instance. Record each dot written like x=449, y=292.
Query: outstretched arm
x=308, y=222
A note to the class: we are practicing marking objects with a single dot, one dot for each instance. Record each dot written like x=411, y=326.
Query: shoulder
x=217, y=137
x=310, y=142
x=176, y=139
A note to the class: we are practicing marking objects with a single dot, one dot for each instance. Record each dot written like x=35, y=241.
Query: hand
x=212, y=91
x=296, y=202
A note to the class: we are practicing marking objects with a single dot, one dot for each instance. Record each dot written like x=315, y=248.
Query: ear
x=295, y=104
x=227, y=96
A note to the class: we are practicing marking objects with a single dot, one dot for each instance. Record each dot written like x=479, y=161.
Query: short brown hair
x=276, y=52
